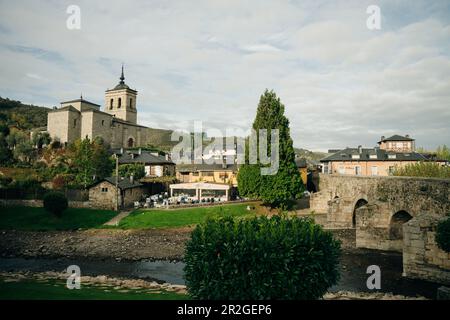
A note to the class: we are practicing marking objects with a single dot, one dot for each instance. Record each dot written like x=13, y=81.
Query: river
x=353, y=268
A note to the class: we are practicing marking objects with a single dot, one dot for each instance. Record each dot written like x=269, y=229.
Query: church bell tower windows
x=121, y=101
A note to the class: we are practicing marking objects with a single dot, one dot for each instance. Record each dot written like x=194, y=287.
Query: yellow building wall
x=382, y=167
x=228, y=177
x=304, y=175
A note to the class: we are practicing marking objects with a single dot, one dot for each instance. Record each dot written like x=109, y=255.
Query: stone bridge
x=377, y=207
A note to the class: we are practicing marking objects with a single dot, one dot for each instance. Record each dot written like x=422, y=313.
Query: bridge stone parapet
x=390, y=213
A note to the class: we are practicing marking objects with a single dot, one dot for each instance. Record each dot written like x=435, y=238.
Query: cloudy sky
x=342, y=84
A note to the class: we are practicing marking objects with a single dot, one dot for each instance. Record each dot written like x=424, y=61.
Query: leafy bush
x=136, y=169
x=423, y=169
x=56, y=203
x=443, y=235
x=261, y=258
x=4, y=181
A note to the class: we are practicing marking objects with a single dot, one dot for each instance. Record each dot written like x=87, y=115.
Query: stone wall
x=372, y=204
x=39, y=203
x=422, y=258
x=103, y=196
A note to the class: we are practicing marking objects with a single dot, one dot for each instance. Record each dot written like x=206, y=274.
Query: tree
x=5, y=153
x=41, y=138
x=15, y=137
x=24, y=151
x=443, y=152
x=56, y=203
x=278, y=189
x=136, y=170
x=423, y=169
x=90, y=161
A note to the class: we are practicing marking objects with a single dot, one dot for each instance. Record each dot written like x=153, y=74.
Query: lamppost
x=116, y=156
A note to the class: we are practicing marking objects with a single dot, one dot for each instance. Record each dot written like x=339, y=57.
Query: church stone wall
x=74, y=126
x=64, y=125
x=57, y=125
x=101, y=126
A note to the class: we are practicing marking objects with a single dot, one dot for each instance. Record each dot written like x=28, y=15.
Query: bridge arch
x=358, y=204
x=396, y=224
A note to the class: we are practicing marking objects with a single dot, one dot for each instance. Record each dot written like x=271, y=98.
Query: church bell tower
x=121, y=101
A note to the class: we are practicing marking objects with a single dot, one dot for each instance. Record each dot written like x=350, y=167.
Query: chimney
x=121, y=150
x=407, y=136
x=167, y=157
x=132, y=179
x=360, y=149
x=132, y=155
x=140, y=151
x=224, y=162
x=382, y=138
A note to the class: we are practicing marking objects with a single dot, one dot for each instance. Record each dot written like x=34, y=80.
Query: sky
x=342, y=83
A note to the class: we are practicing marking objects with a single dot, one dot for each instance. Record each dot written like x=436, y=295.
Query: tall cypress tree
x=279, y=189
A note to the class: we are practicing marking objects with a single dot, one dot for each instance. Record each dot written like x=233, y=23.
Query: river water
x=353, y=268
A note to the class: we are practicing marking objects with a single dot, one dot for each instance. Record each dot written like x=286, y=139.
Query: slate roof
x=377, y=155
x=82, y=100
x=145, y=157
x=66, y=108
x=396, y=137
x=124, y=183
x=301, y=162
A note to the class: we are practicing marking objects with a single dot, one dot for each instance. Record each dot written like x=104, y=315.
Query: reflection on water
x=353, y=271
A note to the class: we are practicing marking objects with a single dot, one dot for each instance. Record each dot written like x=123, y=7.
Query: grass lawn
x=27, y=218
x=56, y=290
x=160, y=218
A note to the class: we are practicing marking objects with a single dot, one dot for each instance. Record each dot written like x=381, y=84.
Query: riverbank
x=96, y=244
x=26, y=285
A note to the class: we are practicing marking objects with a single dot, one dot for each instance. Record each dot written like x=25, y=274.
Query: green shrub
x=56, y=203
x=260, y=258
x=135, y=169
x=423, y=169
x=443, y=235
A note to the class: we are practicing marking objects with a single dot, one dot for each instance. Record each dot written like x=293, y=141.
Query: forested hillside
x=23, y=116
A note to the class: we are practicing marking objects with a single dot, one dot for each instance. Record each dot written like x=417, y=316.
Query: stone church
x=116, y=124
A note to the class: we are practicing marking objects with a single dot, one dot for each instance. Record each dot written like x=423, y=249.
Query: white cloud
x=342, y=84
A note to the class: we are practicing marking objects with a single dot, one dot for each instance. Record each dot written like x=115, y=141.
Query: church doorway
x=130, y=143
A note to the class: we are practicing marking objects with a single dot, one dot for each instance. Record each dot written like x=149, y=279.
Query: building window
x=374, y=171
x=104, y=189
x=120, y=103
x=223, y=175
x=391, y=170
x=74, y=123
x=341, y=170
x=208, y=174
x=392, y=156
x=358, y=170
x=111, y=102
x=131, y=103
x=355, y=156
x=130, y=143
x=195, y=174
x=103, y=122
